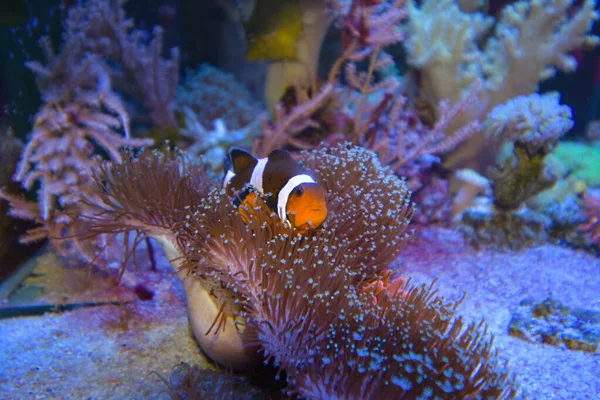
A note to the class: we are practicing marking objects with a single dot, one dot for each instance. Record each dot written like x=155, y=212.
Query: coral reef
x=530, y=41
x=440, y=107
x=526, y=129
x=83, y=117
x=293, y=296
x=325, y=308
x=81, y=114
x=131, y=59
x=371, y=108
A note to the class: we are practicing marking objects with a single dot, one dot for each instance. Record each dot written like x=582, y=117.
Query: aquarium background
x=458, y=146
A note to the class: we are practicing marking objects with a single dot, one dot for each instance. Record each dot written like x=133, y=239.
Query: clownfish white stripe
x=228, y=177
x=285, y=192
x=256, y=180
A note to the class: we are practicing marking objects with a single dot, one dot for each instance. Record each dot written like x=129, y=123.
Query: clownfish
x=296, y=196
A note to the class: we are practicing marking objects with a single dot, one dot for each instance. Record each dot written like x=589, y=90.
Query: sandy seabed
x=116, y=351
x=495, y=282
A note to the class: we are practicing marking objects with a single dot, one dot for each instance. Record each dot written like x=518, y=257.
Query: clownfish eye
x=299, y=192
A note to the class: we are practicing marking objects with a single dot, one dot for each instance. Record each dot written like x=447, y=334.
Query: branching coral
x=367, y=28
x=531, y=40
x=305, y=301
x=60, y=153
x=403, y=140
x=370, y=110
x=287, y=125
x=82, y=118
x=100, y=28
x=80, y=115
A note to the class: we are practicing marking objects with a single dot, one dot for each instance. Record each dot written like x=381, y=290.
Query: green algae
x=579, y=160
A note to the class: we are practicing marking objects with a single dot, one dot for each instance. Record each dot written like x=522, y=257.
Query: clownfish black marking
x=296, y=196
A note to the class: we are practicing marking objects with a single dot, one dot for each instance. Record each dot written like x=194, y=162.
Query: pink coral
x=60, y=153
x=287, y=125
x=100, y=28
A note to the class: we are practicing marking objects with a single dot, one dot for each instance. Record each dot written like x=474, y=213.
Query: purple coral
x=60, y=152
x=60, y=157
x=100, y=28
x=83, y=117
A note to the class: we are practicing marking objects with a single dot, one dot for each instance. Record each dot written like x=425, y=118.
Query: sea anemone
x=301, y=301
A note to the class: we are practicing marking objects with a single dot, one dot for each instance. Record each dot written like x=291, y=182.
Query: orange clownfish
x=295, y=195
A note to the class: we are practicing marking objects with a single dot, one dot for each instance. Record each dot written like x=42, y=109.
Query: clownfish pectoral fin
x=247, y=205
x=240, y=160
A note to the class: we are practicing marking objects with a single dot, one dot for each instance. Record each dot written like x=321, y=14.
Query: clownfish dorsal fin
x=240, y=160
x=280, y=155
